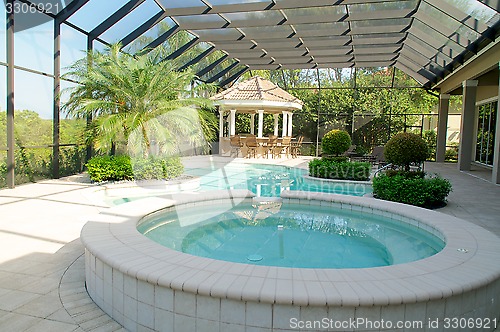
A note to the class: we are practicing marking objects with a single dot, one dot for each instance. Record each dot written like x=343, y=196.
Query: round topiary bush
x=335, y=142
x=404, y=149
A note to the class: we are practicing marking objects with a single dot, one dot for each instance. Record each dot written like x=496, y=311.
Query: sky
x=33, y=48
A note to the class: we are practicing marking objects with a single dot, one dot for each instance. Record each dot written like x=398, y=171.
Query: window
x=487, y=117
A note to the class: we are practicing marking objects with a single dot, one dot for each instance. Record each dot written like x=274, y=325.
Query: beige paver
x=41, y=267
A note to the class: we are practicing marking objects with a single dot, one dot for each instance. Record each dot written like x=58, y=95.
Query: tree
x=126, y=94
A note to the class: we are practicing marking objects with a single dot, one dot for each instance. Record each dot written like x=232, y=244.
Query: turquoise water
x=291, y=235
x=262, y=180
x=269, y=180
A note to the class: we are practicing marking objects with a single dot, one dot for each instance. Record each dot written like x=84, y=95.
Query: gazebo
x=255, y=96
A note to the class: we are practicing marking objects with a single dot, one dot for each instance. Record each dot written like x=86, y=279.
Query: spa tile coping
x=467, y=261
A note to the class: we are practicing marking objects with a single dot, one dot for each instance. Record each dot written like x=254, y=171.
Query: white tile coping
x=112, y=237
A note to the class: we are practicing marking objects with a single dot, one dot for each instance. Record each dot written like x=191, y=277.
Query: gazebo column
x=284, y=131
x=276, y=115
x=252, y=123
x=261, y=123
x=290, y=124
x=221, y=123
x=232, y=123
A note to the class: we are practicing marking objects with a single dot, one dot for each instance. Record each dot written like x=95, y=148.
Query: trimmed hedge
x=151, y=168
x=118, y=168
x=335, y=142
x=412, y=188
x=404, y=149
x=110, y=168
x=331, y=169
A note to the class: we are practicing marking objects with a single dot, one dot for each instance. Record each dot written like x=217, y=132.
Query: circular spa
x=268, y=232
x=312, y=260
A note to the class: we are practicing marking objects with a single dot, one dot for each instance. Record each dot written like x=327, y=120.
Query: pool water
x=262, y=180
x=293, y=235
x=269, y=180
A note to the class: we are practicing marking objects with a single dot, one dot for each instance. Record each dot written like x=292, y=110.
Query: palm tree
x=124, y=94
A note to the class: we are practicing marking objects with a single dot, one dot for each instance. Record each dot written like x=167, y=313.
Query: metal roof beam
x=70, y=9
x=177, y=53
x=222, y=72
x=143, y=28
x=197, y=58
x=113, y=19
x=160, y=40
x=211, y=66
x=233, y=77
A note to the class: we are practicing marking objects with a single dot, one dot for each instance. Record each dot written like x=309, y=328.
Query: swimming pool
x=271, y=233
x=262, y=180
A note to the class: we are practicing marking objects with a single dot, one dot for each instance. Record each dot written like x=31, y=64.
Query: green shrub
x=430, y=137
x=155, y=168
x=328, y=169
x=412, y=189
x=405, y=149
x=110, y=168
x=117, y=168
x=335, y=142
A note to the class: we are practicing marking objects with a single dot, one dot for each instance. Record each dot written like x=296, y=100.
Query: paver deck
x=41, y=266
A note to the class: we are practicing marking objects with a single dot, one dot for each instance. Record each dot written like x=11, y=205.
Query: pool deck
x=41, y=265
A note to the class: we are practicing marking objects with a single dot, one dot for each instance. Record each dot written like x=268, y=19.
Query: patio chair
x=272, y=145
x=252, y=145
x=295, y=147
x=378, y=156
x=351, y=151
x=236, y=145
x=285, y=146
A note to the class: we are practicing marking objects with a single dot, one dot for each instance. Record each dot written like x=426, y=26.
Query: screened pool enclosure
x=440, y=48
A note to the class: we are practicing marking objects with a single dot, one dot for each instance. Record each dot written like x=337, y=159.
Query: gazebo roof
x=260, y=90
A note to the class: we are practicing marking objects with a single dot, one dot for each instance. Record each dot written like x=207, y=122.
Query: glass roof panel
x=321, y=29
x=244, y=44
x=478, y=10
x=375, y=57
x=369, y=39
x=290, y=52
x=219, y=6
x=94, y=13
x=150, y=35
x=255, y=18
x=326, y=41
x=377, y=49
x=445, y=24
x=223, y=65
x=380, y=26
x=435, y=39
x=380, y=10
x=209, y=59
x=283, y=43
x=206, y=21
x=315, y=14
x=196, y=50
x=458, y=15
x=281, y=31
x=331, y=51
x=184, y=7
x=214, y=35
x=138, y=16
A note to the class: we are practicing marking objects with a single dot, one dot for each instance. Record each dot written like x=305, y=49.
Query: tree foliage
x=126, y=94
